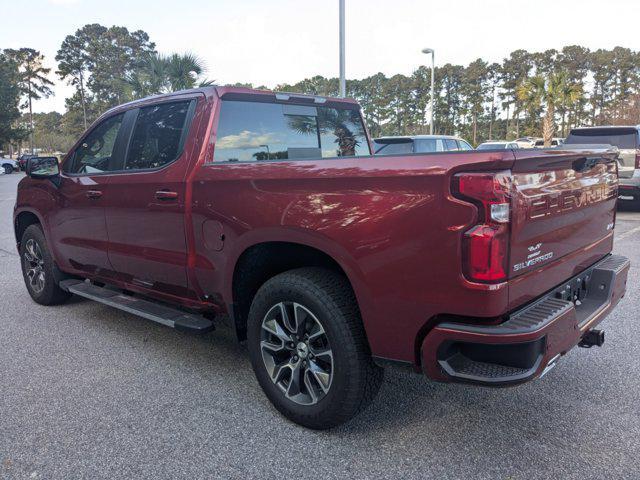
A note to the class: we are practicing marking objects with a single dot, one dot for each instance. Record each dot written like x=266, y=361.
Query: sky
x=276, y=41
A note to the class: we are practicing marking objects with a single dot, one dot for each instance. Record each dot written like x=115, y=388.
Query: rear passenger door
x=146, y=205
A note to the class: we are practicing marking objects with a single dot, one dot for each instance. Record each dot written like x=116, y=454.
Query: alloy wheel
x=296, y=353
x=34, y=266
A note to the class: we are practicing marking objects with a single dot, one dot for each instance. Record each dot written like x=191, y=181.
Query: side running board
x=157, y=312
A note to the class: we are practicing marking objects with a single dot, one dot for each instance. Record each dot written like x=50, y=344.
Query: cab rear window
x=254, y=131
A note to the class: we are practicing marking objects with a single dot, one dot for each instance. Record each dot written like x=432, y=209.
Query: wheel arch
x=22, y=221
x=260, y=261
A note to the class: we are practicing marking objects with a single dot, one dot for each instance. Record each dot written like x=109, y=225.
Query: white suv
x=419, y=144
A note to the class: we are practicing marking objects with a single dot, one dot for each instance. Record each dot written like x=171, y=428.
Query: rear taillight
x=638, y=158
x=485, y=247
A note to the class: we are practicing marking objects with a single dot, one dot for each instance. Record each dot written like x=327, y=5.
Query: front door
x=145, y=219
x=77, y=224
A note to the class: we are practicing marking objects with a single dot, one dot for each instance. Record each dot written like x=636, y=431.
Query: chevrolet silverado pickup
x=268, y=211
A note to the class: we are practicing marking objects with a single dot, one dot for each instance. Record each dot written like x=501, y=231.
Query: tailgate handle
x=584, y=164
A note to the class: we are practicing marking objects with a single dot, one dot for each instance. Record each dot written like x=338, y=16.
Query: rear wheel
x=38, y=268
x=8, y=169
x=308, y=348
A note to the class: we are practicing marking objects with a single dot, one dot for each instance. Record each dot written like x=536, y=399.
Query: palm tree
x=344, y=124
x=183, y=71
x=33, y=83
x=551, y=92
x=166, y=73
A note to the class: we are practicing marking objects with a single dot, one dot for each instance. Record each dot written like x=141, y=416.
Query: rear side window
x=95, y=152
x=253, y=131
x=450, y=144
x=429, y=145
x=158, y=136
x=393, y=148
x=622, y=139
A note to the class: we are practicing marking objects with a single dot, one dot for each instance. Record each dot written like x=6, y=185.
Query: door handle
x=166, y=195
x=94, y=194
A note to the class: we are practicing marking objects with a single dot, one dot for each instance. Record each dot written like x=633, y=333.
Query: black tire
x=355, y=378
x=8, y=169
x=51, y=293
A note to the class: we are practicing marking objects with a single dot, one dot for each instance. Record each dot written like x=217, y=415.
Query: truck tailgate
x=563, y=216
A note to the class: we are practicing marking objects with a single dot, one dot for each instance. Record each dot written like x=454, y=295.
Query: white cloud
x=63, y=2
x=246, y=139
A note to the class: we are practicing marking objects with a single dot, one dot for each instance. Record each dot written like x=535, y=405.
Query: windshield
x=621, y=139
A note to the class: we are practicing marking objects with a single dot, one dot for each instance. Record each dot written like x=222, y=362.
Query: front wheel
x=8, y=169
x=309, y=350
x=38, y=268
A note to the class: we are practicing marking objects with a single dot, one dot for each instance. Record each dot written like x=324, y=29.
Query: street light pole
x=433, y=70
x=343, y=82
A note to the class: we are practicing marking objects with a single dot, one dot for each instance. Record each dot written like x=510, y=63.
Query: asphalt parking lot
x=90, y=392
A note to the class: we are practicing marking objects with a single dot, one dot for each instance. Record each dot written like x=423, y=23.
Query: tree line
x=527, y=94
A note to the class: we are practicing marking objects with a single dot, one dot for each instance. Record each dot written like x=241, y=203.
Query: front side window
x=253, y=131
x=94, y=153
x=157, y=136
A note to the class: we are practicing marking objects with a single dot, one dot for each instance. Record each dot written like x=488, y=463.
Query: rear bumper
x=533, y=338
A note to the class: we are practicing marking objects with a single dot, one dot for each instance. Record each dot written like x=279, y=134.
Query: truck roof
x=413, y=137
x=224, y=90
x=219, y=91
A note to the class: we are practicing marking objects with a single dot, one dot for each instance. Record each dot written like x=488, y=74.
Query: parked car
x=526, y=142
x=8, y=165
x=268, y=209
x=419, y=144
x=627, y=139
x=22, y=160
x=498, y=145
x=555, y=142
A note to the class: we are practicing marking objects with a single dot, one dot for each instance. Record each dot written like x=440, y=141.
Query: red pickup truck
x=268, y=211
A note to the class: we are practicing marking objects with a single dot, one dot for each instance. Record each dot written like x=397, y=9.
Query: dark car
x=262, y=211
x=627, y=139
x=22, y=160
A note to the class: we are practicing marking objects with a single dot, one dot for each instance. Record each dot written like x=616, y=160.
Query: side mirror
x=43, y=167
